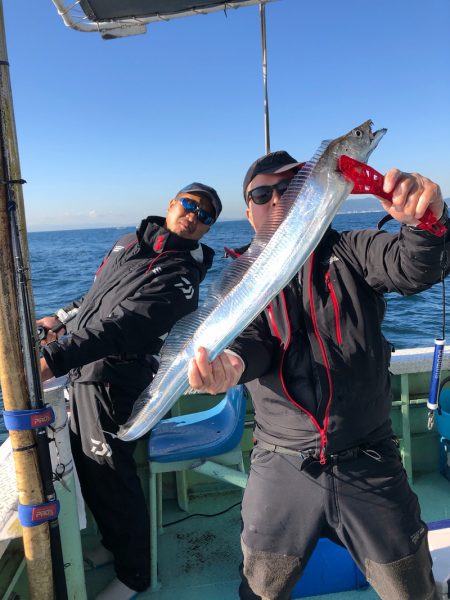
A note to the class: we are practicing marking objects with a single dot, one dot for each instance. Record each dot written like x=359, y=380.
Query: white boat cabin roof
x=121, y=18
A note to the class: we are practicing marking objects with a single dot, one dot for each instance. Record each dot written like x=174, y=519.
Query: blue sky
x=109, y=131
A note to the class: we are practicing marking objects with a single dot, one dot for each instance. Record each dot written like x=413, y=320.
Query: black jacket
x=321, y=336
x=147, y=282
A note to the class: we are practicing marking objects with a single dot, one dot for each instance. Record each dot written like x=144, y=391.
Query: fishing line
x=444, y=264
x=202, y=515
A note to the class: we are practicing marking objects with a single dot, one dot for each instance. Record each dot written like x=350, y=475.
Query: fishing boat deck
x=199, y=557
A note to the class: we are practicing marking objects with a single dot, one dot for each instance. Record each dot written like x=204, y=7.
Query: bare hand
x=48, y=323
x=46, y=372
x=412, y=195
x=216, y=377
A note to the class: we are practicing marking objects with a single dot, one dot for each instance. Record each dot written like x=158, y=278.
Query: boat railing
x=411, y=369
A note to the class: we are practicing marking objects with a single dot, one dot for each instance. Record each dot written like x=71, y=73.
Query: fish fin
x=237, y=269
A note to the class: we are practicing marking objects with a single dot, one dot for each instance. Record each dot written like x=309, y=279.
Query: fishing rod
x=439, y=347
x=29, y=344
x=29, y=426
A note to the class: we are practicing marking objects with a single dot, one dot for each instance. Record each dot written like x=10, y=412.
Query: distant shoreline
x=346, y=210
x=224, y=220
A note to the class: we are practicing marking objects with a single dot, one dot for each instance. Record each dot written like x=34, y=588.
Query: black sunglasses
x=202, y=215
x=263, y=193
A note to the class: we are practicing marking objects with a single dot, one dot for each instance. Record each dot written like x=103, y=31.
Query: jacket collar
x=152, y=235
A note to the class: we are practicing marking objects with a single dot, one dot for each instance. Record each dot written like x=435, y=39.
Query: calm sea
x=63, y=264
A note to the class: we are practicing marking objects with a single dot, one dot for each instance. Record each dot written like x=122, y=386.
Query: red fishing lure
x=369, y=181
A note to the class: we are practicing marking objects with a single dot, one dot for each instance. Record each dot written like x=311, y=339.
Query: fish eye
x=358, y=132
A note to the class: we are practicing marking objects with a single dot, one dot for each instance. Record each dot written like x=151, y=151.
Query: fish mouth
x=375, y=137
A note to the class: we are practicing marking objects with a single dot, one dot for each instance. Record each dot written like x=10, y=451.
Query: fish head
x=358, y=143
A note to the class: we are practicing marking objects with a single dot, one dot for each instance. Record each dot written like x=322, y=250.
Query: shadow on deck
x=199, y=557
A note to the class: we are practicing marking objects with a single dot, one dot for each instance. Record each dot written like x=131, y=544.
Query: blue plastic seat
x=200, y=435
x=206, y=442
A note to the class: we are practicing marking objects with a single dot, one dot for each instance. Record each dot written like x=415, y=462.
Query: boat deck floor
x=199, y=557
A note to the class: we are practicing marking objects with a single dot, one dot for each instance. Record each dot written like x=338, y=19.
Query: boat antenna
x=262, y=14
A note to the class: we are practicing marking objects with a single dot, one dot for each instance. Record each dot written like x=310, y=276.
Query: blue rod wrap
x=439, y=345
x=21, y=420
x=31, y=515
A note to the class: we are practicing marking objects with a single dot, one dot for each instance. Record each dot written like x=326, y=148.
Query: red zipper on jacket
x=272, y=320
x=335, y=307
x=322, y=431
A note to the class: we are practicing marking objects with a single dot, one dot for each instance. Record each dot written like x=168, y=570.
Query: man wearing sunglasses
x=148, y=281
x=316, y=364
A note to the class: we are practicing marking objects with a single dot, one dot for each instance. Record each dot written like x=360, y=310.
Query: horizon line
x=226, y=219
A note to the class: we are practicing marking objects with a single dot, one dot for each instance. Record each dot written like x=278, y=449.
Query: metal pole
x=262, y=13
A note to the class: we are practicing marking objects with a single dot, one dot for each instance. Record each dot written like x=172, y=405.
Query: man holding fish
x=325, y=463
x=148, y=281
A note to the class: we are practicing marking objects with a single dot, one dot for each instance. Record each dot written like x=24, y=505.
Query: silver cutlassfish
x=277, y=252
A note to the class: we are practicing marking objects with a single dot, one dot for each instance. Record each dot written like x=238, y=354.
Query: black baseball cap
x=207, y=191
x=275, y=162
